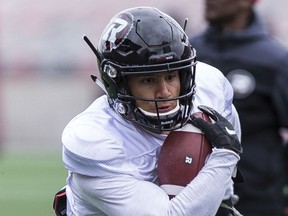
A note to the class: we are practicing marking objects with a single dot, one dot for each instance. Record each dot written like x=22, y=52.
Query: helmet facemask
x=126, y=104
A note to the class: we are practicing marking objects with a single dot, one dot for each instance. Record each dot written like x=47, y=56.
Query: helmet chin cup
x=161, y=115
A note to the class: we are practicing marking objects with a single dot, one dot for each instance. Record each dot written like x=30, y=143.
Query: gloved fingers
x=199, y=122
x=216, y=116
x=210, y=112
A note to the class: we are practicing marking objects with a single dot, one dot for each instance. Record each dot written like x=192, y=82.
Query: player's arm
x=125, y=195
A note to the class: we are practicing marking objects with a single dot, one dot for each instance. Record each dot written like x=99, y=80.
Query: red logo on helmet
x=116, y=31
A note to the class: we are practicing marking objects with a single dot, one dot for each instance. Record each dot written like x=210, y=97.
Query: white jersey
x=112, y=162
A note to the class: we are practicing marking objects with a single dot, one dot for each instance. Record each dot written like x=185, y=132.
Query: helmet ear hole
x=110, y=71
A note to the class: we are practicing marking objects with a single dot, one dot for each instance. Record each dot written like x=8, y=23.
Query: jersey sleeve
x=126, y=195
x=215, y=91
x=230, y=111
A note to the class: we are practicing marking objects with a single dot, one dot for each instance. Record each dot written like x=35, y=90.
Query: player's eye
x=148, y=80
x=171, y=76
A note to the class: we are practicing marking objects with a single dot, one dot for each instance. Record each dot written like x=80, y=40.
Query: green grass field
x=28, y=183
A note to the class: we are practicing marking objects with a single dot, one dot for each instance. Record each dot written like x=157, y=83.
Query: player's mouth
x=165, y=108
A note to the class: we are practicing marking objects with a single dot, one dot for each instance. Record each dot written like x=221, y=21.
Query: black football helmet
x=144, y=40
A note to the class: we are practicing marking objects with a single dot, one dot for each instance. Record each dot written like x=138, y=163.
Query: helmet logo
x=116, y=32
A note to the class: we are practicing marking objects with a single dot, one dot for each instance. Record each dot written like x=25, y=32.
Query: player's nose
x=162, y=90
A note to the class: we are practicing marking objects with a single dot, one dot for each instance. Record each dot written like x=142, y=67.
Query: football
x=182, y=156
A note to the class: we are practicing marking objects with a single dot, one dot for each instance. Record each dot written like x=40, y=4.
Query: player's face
x=164, y=85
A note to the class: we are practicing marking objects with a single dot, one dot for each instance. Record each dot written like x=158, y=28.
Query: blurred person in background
x=237, y=43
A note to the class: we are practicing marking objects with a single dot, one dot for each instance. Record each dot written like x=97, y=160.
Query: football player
x=148, y=71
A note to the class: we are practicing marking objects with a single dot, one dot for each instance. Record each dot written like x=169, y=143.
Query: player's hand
x=221, y=133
